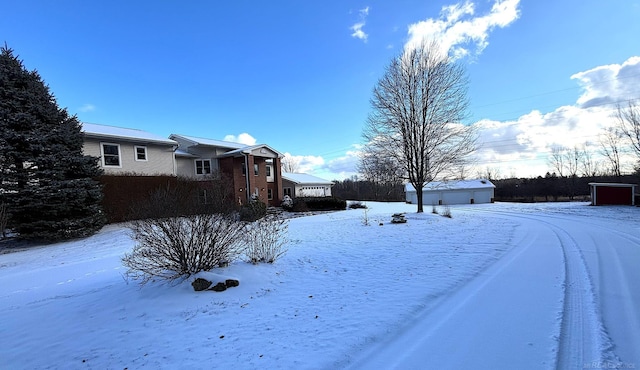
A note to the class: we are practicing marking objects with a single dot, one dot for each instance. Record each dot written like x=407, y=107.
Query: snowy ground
x=524, y=286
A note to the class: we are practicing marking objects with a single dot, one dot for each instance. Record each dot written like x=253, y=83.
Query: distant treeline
x=552, y=188
x=549, y=188
x=351, y=189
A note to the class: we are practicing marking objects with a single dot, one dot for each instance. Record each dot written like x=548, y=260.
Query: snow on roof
x=211, y=142
x=303, y=178
x=453, y=185
x=113, y=132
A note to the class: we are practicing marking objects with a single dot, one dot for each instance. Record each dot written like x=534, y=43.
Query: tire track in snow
x=620, y=315
x=582, y=339
x=581, y=332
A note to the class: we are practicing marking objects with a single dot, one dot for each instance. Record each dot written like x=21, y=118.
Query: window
x=110, y=155
x=287, y=191
x=269, y=171
x=255, y=169
x=269, y=194
x=141, y=153
x=203, y=166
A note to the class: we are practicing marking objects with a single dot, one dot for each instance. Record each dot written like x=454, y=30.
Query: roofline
x=612, y=184
x=247, y=150
x=231, y=145
x=93, y=135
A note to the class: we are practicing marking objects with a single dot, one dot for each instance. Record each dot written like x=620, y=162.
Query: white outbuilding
x=305, y=185
x=453, y=192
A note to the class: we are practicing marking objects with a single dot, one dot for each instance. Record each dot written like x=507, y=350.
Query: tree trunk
x=419, y=198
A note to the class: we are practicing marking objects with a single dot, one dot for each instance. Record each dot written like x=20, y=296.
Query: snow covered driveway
x=566, y=296
x=498, y=286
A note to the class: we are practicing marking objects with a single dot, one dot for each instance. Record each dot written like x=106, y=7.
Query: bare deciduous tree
x=588, y=165
x=629, y=124
x=4, y=218
x=418, y=105
x=610, y=142
x=290, y=164
x=382, y=171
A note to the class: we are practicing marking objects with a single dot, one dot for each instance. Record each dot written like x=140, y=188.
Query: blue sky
x=298, y=75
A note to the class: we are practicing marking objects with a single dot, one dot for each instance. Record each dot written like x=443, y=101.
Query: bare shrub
x=177, y=247
x=266, y=239
x=446, y=212
x=365, y=216
x=183, y=229
x=186, y=197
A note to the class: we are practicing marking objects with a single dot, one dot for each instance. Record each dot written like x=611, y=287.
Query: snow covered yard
x=496, y=286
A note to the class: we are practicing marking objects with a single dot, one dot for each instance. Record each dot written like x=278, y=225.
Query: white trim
x=135, y=153
x=104, y=163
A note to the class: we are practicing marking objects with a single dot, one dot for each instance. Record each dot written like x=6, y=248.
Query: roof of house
x=453, y=185
x=304, y=179
x=121, y=133
x=249, y=148
x=612, y=184
x=209, y=142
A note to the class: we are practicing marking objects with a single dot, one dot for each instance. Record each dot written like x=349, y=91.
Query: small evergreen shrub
x=357, y=205
x=287, y=203
x=325, y=203
x=253, y=211
x=299, y=205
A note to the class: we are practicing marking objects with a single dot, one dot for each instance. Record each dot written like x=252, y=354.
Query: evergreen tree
x=47, y=183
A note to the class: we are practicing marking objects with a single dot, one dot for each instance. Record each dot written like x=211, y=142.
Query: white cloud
x=459, y=31
x=243, y=138
x=87, y=108
x=358, y=32
x=339, y=168
x=524, y=145
x=306, y=163
x=609, y=84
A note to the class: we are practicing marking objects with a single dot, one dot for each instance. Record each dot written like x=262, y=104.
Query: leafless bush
x=266, y=239
x=446, y=212
x=365, y=216
x=4, y=218
x=175, y=247
x=186, y=197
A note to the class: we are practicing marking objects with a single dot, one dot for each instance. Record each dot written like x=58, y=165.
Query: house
x=453, y=192
x=612, y=194
x=303, y=185
x=129, y=151
x=254, y=170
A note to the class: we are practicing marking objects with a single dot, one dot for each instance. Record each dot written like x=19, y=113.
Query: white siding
x=450, y=196
x=160, y=159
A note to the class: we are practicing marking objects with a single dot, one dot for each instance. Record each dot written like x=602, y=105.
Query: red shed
x=612, y=194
